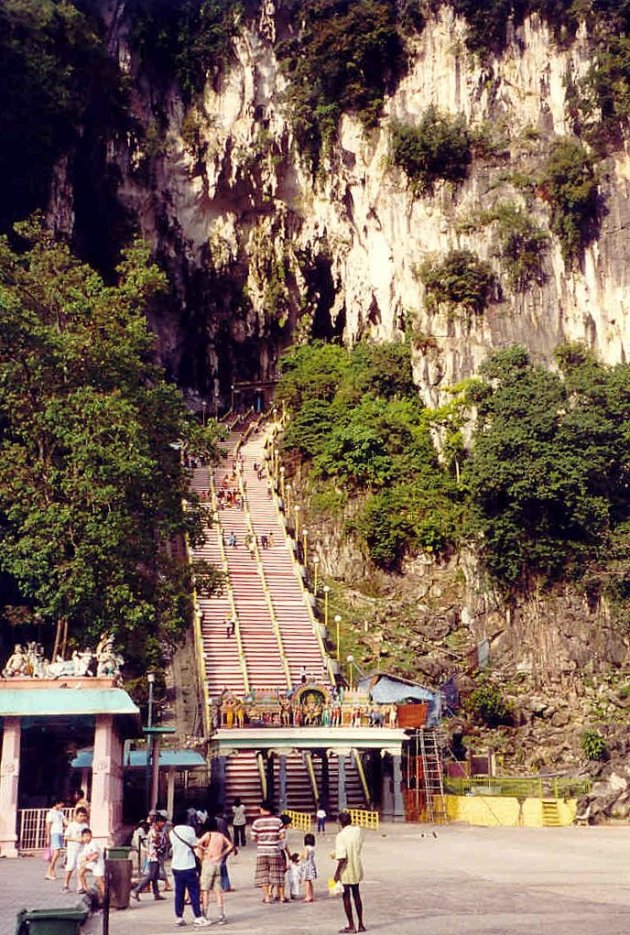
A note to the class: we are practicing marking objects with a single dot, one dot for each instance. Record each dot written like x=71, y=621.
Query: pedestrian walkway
x=465, y=881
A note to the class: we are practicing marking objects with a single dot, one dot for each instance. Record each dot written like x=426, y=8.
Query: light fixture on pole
x=316, y=569
x=282, y=470
x=288, y=508
x=216, y=404
x=337, y=622
x=326, y=593
x=350, y=661
x=296, y=513
x=305, y=546
x=204, y=406
x=149, y=739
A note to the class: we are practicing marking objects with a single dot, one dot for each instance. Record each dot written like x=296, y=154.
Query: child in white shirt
x=91, y=860
x=72, y=836
x=294, y=876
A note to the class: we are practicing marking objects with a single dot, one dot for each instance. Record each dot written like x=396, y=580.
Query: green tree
x=460, y=279
x=438, y=148
x=91, y=478
x=569, y=184
x=54, y=66
x=548, y=475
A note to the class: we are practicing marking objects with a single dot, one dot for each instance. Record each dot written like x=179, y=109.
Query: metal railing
x=32, y=828
x=364, y=818
x=538, y=787
x=301, y=821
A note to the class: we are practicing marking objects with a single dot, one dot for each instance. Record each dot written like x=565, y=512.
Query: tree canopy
x=91, y=479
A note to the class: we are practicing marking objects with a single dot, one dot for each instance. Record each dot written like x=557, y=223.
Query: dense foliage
x=569, y=184
x=184, y=40
x=439, y=147
x=459, y=280
x=91, y=481
x=54, y=75
x=544, y=489
x=359, y=423
x=341, y=57
x=548, y=474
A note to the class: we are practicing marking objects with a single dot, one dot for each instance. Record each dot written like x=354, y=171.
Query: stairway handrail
x=226, y=569
x=261, y=572
x=297, y=573
x=198, y=641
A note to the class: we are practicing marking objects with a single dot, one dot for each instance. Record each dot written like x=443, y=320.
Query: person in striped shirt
x=268, y=834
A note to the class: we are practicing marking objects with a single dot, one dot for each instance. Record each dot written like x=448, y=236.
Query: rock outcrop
x=261, y=252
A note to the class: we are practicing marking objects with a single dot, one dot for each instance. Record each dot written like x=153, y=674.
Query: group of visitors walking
x=199, y=848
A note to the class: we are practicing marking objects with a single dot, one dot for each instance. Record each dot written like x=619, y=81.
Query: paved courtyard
x=565, y=881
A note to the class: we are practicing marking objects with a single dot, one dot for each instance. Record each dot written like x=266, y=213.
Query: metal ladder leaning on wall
x=433, y=778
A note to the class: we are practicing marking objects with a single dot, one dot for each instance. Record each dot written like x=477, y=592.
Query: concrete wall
x=489, y=810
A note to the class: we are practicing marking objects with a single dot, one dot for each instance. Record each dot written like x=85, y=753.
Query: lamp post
x=296, y=513
x=216, y=404
x=337, y=622
x=288, y=507
x=147, y=776
x=204, y=406
x=305, y=545
x=316, y=569
x=326, y=593
x=282, y=470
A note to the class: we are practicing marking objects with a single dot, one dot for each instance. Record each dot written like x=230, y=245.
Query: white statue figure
x=108, y=660
x=16, y=663
x=60, y=667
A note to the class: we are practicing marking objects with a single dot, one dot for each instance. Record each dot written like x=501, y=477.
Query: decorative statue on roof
x=16, y=663
x=108, y=660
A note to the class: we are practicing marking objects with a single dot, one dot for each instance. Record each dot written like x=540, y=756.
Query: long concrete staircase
x=276, y=636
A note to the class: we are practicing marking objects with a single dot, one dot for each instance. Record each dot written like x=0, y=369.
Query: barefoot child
x=308, y=867
x=91, y=860
x=213, y=848
x=294, y=876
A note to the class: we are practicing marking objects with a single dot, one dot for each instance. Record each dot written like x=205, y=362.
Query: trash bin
x=64, y=921
x=119, y=867
x=119, y=852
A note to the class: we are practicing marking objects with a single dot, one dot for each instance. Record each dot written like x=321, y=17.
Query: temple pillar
x=387, y=796
x=398, y=801
x=170, y=792
x=107, y=785
x=270, y=777
x=325, y=782
x=9, y=780
x=342, y=798
x=282, y=782
x=217, y=782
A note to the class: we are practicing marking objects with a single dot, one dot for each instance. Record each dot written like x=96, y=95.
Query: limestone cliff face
x=261, y=252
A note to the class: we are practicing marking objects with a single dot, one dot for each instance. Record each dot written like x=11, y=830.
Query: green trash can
x=63, y=921
x=119, y=867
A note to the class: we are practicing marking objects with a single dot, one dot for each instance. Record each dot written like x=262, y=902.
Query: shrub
x=183, y=40
x=438, y=148
x=604, y=93
x=487, y=704
x=341, y=58
x=521, y=247
x=569, y=184
x=461, y=279
x=593, y=744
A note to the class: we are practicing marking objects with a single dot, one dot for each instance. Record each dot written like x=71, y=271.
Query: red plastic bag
x=47, y=854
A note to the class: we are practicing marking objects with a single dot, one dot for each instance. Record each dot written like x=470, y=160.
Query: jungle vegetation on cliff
x=543, y=489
